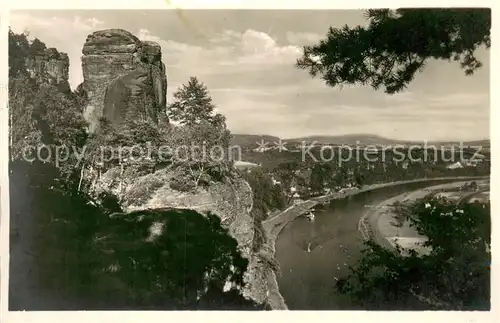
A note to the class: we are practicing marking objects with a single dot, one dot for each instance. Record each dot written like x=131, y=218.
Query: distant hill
x=486, y=143
x=367, y=139
x=244, y=140
x=350, y=139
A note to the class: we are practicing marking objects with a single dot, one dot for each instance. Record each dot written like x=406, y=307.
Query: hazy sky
x=246, y=58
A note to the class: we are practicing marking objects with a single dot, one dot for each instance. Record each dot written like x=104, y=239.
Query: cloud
x=169, y=46
x=258, y=92
x=256, y=47
x=251, y=49
x=252, y=79
x=227, y=53
x=20, y=22
x=460, y=100
x=176, y=53
x=225, y=37
x=259, y=48
x=303, y=38
x=231, y=61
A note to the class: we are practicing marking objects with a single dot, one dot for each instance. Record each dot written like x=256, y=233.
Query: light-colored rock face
x=50, y=66
x=124, y=78
x=231, y=200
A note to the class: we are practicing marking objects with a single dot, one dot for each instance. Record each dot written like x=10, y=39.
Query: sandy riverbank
x=274, y=225
x=376, y=223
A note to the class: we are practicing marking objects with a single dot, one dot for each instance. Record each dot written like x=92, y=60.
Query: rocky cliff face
x=231, y=200
x=49, y=66
x=124, y=78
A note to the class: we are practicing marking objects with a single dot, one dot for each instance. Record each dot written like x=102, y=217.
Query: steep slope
x=231, y=200
x=124, y=79
x=52, y=231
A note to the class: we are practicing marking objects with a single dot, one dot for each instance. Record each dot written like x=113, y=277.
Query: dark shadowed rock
x=124, y=78
x=152, y=54
x=129, y=97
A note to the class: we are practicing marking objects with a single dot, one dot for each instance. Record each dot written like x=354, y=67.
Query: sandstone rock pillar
x=124, y=78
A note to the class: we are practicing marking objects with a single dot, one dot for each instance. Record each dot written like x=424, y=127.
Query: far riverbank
x=376, y=222
x=274, y=225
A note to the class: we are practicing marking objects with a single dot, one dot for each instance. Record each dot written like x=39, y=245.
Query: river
x=307, y=278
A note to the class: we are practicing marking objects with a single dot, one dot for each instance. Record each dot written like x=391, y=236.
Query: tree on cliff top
x=202, y=136
x=192, y=103
x=37, y=47
x=193, y=106
x=396, y=45
x=19, y=48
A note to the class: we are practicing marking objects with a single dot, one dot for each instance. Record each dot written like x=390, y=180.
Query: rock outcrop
x=231, y=200
x=124, y=78
x=50, y=67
